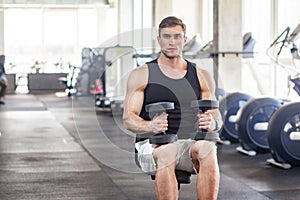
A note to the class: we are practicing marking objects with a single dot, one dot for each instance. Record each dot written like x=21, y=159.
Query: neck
x=175, y=68
x=173, y=62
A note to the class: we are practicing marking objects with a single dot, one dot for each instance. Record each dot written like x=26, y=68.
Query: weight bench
x=183, y=177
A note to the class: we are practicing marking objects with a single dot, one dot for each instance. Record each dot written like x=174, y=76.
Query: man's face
x=171, y=41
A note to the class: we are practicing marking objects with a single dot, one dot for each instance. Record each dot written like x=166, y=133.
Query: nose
x=172, y=40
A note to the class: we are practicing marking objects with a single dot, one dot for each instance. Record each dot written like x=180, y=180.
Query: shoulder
x=202, y=72
x=138, y=77
x=140, y=72
x=205, y=77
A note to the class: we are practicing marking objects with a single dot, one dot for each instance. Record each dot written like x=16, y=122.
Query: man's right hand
x=159, y=123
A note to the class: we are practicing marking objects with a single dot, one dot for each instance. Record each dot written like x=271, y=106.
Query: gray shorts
x=183, y=160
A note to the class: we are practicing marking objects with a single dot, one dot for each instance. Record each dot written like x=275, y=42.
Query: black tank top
x=160, y=88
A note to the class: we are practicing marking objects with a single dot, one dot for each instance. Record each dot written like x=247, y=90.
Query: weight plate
x=159, y=106
x=284, y=134
x=252, y=123
x=229, y=106
x=210, y=136
x=205, y=104
x=163, y=139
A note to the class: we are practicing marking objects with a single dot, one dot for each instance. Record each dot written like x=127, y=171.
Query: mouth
x=171, y=49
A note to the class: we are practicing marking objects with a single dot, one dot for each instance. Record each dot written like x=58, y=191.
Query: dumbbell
x=156, y=109
x=203, y=106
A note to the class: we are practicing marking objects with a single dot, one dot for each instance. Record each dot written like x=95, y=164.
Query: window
x=49, y=34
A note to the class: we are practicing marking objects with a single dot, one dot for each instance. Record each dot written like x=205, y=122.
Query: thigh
x=148, y=153
x=184, y=159
x=201, y=149
x=145, y=157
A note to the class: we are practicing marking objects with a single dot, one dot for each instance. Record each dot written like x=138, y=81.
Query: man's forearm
x=137, y=125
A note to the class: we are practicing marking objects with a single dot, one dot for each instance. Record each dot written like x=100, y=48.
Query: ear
x=158, y=39
x=185, y=39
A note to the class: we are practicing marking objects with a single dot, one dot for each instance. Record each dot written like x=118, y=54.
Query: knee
x=204, y=150
x=165, y=155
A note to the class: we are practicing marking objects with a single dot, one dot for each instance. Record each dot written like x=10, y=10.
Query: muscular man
x=171, y=78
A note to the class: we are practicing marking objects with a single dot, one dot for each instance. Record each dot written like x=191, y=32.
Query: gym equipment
x=283, y=135
x=296, y=81
x=70, y=80
x=229, y=107
x=90, y=69
x=156, y=109
x=193, y=45
x=220, y=93
x=194, y=49
x=285, y=40
x=114, y=67
x=283, y=131
x=204, y=106
x=248, y=45
x=252, y=123
x=183, y=177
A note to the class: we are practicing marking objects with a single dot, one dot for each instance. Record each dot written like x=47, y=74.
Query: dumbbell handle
x=156, y=109
x=162, y=138
x=204, y=106
x=200, y=112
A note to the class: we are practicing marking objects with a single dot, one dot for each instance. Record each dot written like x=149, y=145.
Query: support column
x=2, y=31
x=216, y=41
x=162, y=9
x=274, y=33
x=228, y=37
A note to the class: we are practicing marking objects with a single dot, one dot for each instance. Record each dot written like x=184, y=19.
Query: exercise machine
x=92, y=67
x=70, y=81
x=116, y=64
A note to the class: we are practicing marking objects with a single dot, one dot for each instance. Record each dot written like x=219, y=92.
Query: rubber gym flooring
x=62, y=148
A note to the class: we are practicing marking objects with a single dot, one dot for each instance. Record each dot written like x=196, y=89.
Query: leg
x=2, y=90
x=165, y=179
x=204, y=157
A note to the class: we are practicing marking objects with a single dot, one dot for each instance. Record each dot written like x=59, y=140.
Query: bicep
x=134, y=94
x=208, y=91
x=207, y=84
x=133, y=102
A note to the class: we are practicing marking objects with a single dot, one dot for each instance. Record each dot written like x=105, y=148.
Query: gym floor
x=62, y=148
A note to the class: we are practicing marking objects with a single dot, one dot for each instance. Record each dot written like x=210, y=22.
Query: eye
x=177, y=36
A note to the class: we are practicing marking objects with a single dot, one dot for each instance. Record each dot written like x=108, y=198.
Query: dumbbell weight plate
x=210, y=136
x=205, y=104
x=162, y=138
x=160, y=106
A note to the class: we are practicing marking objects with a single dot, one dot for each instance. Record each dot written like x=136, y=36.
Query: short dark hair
x=171, y=21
